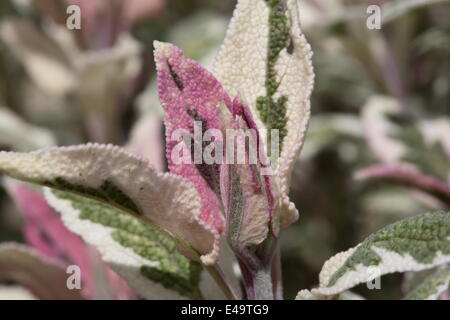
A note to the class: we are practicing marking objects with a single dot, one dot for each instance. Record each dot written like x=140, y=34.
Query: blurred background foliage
x=382, y=97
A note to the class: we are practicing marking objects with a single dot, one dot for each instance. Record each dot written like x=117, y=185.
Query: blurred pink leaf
x=407, y=176
x=46, y=279
x=102, y=21
x=147, y=141
x=45, y=231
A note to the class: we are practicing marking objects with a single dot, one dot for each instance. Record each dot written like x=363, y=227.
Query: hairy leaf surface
x=123, y=180
x=413, y=244
x=147, y=259
x=432, y=286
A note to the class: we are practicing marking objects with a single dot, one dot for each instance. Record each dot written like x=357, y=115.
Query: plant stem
x=262, y=283
x=217, y=274
x=277, y=277
x=257, y=276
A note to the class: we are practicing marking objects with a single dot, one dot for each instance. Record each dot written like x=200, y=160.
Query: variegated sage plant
x=178, y=234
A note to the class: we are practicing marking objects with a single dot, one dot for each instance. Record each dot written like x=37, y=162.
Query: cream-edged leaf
x=379, y=130
x=21, y=136
x=413, y=244
x=267, y=60
x=123, y=180
x=432, y=287
x=399, y=138
x=349, y=295
x=147, y=259
x=306, y=294
x=39, y=55
x=44, y=278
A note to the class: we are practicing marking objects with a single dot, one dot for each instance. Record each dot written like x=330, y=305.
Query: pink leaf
x=44, y=231
x=46, y=279
x=147, y=141
x=190, y=93
x=408, y=176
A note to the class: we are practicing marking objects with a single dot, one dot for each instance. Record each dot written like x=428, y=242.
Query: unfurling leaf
x=191, y=96
x=147, y=259
x=266, y=59
x=196, y=105
x=413, y=244
x=249, y=196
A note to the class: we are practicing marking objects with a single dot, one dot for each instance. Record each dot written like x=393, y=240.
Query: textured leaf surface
x=44, y=231
x=266, y=59
x=191, y=96
x=432, y=287
x=147, y=259
x=413, y=244
x=118, y=178
x=249, y=197
x=44, y=278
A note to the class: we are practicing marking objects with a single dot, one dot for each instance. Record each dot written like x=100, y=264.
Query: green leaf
x=147, y=259
x=413, y=244
x=432, y=287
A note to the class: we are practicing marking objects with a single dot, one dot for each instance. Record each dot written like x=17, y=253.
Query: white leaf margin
x=122, y=260
x=166, y=200
x=390, y=262
x=422, y=292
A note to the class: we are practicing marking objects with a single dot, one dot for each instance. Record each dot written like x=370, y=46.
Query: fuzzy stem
x=257, y=276
x=263, y=287
x=258, y=283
